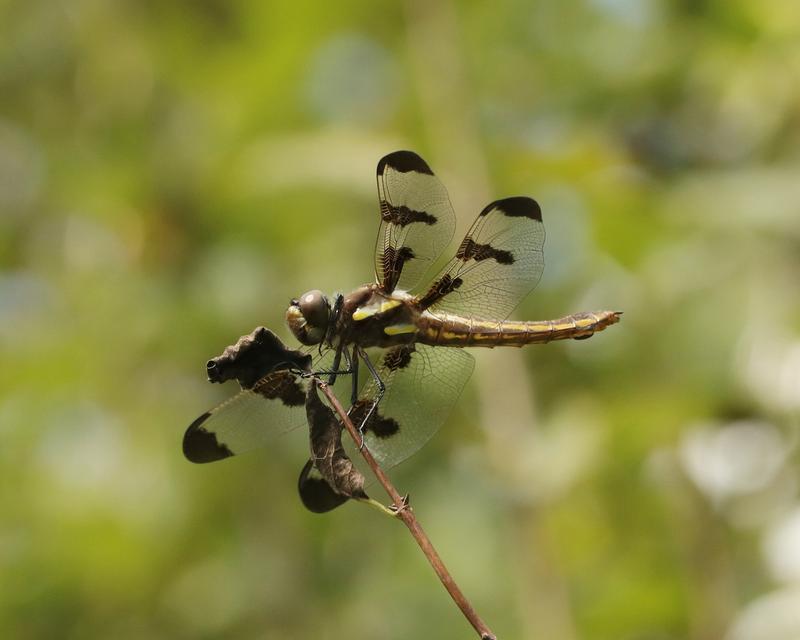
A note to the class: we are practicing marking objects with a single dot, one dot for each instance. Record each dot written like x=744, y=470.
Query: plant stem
x=406, y=514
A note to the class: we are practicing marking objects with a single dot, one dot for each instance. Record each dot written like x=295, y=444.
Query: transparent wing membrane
x=422, y=385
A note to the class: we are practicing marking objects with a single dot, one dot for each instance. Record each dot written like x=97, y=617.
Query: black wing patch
x=417, y=220
x=315, y=493
x=497, y=264
x=376, y=424
x=201, y=445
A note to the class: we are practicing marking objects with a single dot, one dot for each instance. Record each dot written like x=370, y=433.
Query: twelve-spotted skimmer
x=409, y=338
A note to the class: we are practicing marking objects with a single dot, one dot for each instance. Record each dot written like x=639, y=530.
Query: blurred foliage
x=172, y=173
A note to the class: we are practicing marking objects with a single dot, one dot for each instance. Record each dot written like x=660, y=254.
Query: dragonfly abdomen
x=457, y=331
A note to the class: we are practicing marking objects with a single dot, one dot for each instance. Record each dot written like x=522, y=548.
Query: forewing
x=417, y=220
x=497, y=264
x=422, y=385
x=274, y=406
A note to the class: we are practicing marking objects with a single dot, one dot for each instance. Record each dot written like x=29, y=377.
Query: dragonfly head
x=309, y=317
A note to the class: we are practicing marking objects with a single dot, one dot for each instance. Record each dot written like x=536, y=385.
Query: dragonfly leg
x=334, y=370
x=381, y=390
x=353, y=361
x=336, y=361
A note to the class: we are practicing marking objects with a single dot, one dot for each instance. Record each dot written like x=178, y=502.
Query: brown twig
x=406, y=514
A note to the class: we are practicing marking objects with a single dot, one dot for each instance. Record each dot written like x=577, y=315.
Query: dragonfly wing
x=422, y=385
x=417, y=220
x=497, y=264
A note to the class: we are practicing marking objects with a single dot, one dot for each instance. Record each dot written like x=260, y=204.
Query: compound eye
x=315, y=308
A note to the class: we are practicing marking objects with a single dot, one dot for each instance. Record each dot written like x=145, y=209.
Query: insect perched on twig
x=409, y=338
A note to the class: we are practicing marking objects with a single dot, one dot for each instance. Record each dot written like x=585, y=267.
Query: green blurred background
x=172, y=173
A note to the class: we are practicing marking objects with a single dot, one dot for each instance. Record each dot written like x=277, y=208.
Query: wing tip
x=315, y=493
x=404, y=161
x=201, y=446
x=516, y=207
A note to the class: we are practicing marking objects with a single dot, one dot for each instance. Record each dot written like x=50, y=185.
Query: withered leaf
x=253, y=356
x=329, y=478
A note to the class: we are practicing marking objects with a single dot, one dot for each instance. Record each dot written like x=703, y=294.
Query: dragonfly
x=409, y=333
